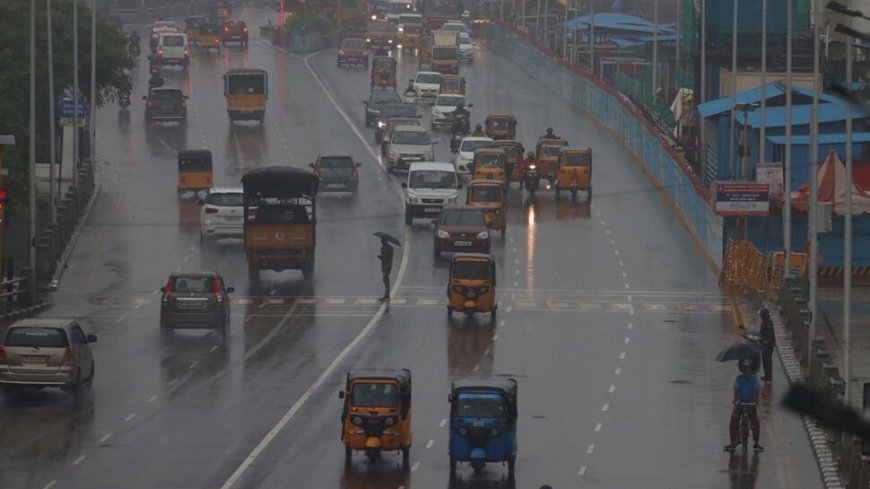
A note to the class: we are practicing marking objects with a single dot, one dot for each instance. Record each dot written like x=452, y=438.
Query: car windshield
x=366, y=394
x=470, y=217
x=450, y=100
x=225, y=199
x=166, y=95
x=481, y=406
x=191, y=284
x=36, y=336
x=486, y=193
x=411, y=137
x=385, y=98
x=432, y=179
x=471, y=270
x=398, y=111
x=173, y=41
x=353, y=44
x=464, y=39
x=470, y=146
x=381, y=27
x=431, y=78
x=575, y=159
x=336, y=162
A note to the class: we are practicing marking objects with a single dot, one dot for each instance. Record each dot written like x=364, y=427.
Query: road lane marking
x=430, y=443
x=630, y=299
x=494, y=337
x=590, y=448
x=121, y=318
x=192, y=247
x=138, y=305
x=582, y=471
x=611, y=389
x=630, y=325
x=442, y=423
x=194, y=364
x=173, y=381
x=603, y=223
x=476, y=367
x=154, y=292
x=617, y=371
x=415, y=466
x=152, y=398
x=78, y=460
x=622, y=355
x=613, y=242
x=486, y=352
x=244, y=302
x=105, y=437
x=177, y=269
x=598, y=427
x=274, y=302
x=273, y=291
x=616, y=252
x=605, y=407
x=212, y=349
x=130, y=417
x=187, y=257
x=607, y=232
x=621, y=264
x=624, y=275
x=627, y=339
x=516, y=283
x=49, y=485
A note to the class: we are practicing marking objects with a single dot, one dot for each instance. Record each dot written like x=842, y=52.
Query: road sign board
x=742, y=199
x=66, y=109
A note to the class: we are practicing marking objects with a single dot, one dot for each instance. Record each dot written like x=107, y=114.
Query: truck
x=246, y=91
x=444, y=52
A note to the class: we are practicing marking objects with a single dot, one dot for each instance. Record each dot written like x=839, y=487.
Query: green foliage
x=112, y=62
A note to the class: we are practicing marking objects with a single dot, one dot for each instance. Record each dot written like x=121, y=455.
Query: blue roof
x=772, y=90
x=620, y=22
x=800, y=115
x=835, y=138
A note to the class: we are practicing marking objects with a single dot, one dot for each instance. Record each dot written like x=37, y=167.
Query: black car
x=376, y=101
x=165, y=104
x=389, y=112
x=337, y=173
x=196, y=300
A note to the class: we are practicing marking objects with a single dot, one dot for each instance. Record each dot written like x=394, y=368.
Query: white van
x=172, y=48
x=430, y=187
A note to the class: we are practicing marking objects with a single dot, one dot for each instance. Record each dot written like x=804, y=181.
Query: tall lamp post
x=744, y=153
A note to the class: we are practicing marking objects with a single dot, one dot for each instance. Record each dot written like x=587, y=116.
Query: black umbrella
x=738, y=351
x=389, y=237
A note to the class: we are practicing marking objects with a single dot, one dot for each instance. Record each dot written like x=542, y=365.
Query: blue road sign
x=66, y=109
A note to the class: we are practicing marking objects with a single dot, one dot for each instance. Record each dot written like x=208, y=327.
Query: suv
x=408, y=144
x=353, y=51
x=221, y=214
x=160, y=27
x=429, y=187
x=427, y=84
x=235, y=31
x=195, y=300
x=337, y=173
x=46, y=353
x=173, y=49
x=165, y=104
x=461, y=229
x=376, y=101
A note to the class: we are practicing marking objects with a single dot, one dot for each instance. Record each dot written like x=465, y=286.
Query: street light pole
x=51, y=120
x=814, y=168
x=763, y=111
x=31, y=242
x=592, y=36
x=731, y=145
x=677, y=71
x=786, y=173
x=703, y=132
x=655, y=67
x=92, y=133
x=75, y=130
x=847, y=235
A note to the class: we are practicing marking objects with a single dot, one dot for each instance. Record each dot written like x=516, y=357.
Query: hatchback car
x=337, y=173
x=221, y=214
x=376, y=101
x=46, y=353
x=195, y=300
x=461, y=229
x=235, y=31
x=165, y=104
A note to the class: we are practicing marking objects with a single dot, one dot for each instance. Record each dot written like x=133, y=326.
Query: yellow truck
x=444, y=52
x=246, y=91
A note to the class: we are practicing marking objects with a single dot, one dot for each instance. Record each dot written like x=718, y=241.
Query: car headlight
x=357, y=420
x=382, y=124
x=401, y=30
x=368, y=39
x=390, y=41
x=340, y=52
x=413, y=200
x=451, y=200
x=443, y=234
x=483, y=235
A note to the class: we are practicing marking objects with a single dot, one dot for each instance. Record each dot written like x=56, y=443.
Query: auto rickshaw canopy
x=384, y=63
x=472, y=266
x=486, y=191
x=511, y=147
x=400, y=376
x=452, y=84
x=575, y=157
x=550, y=147
x=195, y=21
x=502, y=122
x=506, y=386
x=280, y=181
x=194, y=160
x=489, y=157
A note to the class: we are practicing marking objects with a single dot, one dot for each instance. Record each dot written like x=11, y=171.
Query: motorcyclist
x=550, y=134
x=529, y=161
x=478, y=131
x=746, y=390
x=461, y=111
x=410, y=91
x=529, y=182
x=156, y=80
x=134, y=38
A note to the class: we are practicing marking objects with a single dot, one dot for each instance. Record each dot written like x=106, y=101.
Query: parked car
x=337, y=173
x=46, y=353
x=221, y=215
x=197, y=300
x=461, y=229
x=165, y=104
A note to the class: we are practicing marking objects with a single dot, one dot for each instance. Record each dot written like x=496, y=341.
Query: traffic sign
x=742, y=199
x=67, y=116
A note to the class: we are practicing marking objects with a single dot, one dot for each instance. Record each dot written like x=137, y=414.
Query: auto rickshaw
x=192, y=26
x=471, y=287
x=384, y=72
x=452, y=84
x=575, y=171
x=513, y=153
x=377, y=412
x=547, y=154
x=489, y=164
x=483, y=422
x=209, y=37
x=500, y=126
x=194, y=170
x=489, y=195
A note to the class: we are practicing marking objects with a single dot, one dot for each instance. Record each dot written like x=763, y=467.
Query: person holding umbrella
x=386, y=258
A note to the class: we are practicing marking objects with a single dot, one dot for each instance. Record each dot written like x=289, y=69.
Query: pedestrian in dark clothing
x=386, y=258
x=768, y=343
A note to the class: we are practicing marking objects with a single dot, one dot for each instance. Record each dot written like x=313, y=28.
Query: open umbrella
x=390, y=238
x=738, y=351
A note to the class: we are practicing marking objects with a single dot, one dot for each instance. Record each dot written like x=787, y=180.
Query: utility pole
x=763, y=112
x=847, y=234
x=677, y=71
x=592, y=36
x=814, y=194
x=655, y=67
x=731, y=145
x=51, y=119
x=75, y=131
x=703, y=131
x=786, y=172
x=31, y=243
x=5, y=140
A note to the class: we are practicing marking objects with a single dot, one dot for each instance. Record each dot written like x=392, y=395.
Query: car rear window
x=225, y=199
x=36, y=336
x=166, y=95
x=336, y=162
x=380, y=98
x=173, y=41
x=353, y=44
x=463, y=218
x=192, y=284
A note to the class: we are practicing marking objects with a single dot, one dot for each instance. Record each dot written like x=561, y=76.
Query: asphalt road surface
x=609, y=318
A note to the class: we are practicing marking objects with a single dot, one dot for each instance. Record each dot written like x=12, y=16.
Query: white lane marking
x=511, y=240
x=630, y=326
x=624, y=275
x=613, y=242
x=627, y=286
x=486, y=352
x=476, y=367
x=212, y=349
x=617, y=371
x=415, y=466
x=78, y=460
x=173, y=381
x=152, y=398
x=177, y=269
x=582, y=471
x=603, y=223
x=598, y=427
x=154, y=292
x=442, y=423
x=514, y=250
x=273, y=291
x=627, y=339
x=516, y=260
x=629, y=299
x=605, y=407
x=509, y=309
x=611, y=389
x=105, y=437
x=121, y=318
x=516, y=283
x=616, y=252
x=513, y=295
x=138, y=305
x=622, y=355
x=621, y=264
x=245, y=302
x=192, y=247
x=297, y=406
x=186, y=258
x=500, y=323
x=607, y=232
x=430, y=443
x=590, y=449
x=130, y=417
x=494, y=337
x=194, y=364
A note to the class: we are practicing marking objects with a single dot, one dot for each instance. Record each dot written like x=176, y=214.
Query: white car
x=466, y=152
x=426, y=84
x=442, y=111
x=408, y=144
x=430, y=187
x=173, y=49
x=466, y=48
x=222, y=214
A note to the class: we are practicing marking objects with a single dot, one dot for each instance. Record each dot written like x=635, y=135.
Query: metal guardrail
x=10, y=292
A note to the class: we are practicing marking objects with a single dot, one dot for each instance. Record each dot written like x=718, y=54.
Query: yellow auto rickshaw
x=377, y=412
x=194, y=170
x=575, y=171
x=513, y=153
x=192, y=26
x=491, y=196
x=501, y=126
x=384, y=72
x=209, y=37
x=489, y=164
x=452, y=84
x=472, y=285
x=547, y=154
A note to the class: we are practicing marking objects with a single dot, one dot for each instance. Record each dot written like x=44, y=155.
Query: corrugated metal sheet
x=804, y=140
x=772, y=90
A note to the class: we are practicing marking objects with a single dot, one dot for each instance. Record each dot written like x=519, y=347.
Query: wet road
x=609, y=318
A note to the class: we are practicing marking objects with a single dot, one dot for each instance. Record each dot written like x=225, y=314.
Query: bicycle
x=743, y=424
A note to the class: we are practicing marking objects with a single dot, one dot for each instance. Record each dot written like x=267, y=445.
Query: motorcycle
x=531, y=180
x=461, y=124
x=410, y=97
x=124, y=99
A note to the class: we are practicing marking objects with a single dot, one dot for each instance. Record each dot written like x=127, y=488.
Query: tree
x=113, y=64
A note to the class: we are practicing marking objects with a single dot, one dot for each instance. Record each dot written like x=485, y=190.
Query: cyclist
x=746, y=390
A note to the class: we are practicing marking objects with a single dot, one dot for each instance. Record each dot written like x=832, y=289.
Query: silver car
x=46, y=353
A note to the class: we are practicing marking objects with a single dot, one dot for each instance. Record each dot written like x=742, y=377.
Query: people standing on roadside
x=768, y=344
x=386, y=258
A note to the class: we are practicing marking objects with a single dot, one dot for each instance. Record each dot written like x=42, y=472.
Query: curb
x=25, y=313
x=67, y=253
x=818, y=440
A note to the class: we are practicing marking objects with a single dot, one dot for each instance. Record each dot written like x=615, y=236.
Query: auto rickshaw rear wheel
x=512, y=463
x=348, y=453
x=449, y=313
x=406, y=453
x=452, y=466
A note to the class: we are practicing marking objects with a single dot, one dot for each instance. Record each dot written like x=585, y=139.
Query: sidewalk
x=830, y=327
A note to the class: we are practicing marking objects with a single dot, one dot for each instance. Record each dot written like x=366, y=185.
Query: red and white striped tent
x=831, y=185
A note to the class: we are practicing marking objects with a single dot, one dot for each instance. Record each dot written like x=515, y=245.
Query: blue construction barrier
x=627, y=125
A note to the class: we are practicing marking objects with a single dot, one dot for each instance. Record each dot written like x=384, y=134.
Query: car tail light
x=216, y=288
x=151, y=104
x=211, y=210
x=67, y=357
x=160, y=50
x=226, y=29
x=245, y=29
x=168, y=289
x=2, y=355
